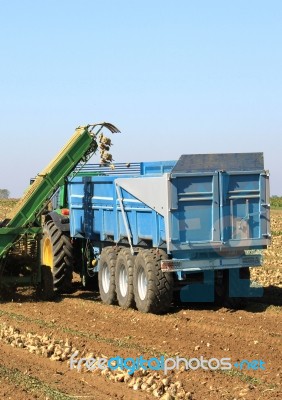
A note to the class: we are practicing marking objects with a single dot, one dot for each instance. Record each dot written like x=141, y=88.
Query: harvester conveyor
x=25, y=217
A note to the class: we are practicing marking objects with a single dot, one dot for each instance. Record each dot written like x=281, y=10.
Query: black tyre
x=57, y=253
x=45, y=289
x=124, y=278
x=153, y=289
x=106, y=275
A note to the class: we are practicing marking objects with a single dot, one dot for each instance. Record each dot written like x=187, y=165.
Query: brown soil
x=189, y=331
x=254, y=333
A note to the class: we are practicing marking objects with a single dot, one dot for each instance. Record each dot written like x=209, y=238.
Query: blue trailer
x=150, y=233
x=152, y=229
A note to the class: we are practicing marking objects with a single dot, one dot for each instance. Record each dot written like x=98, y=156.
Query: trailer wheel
x=124, y=278
x=106, y=275
x=57, y=254
x=153, y=289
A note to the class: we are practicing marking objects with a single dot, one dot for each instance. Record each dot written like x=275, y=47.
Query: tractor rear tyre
x=153, y=289
x=57, y=254
x=124, y=278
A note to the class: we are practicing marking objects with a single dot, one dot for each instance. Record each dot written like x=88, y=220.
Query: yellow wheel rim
x=47, y=253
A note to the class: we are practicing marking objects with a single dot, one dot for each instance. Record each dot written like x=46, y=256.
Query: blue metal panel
x=217, y=211
x=241, y=206
x=197, y=210
x=95, y=210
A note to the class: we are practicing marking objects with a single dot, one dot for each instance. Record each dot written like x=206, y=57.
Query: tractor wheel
x=106, y=275
x=124, y=278
x=153, y=289
x=57, y=254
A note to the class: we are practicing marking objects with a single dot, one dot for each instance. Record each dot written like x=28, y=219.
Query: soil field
x=37, y=339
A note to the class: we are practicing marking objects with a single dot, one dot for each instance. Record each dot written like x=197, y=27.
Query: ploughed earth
x=37, y=339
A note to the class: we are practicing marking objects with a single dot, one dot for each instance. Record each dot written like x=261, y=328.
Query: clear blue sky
x=176, y=77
